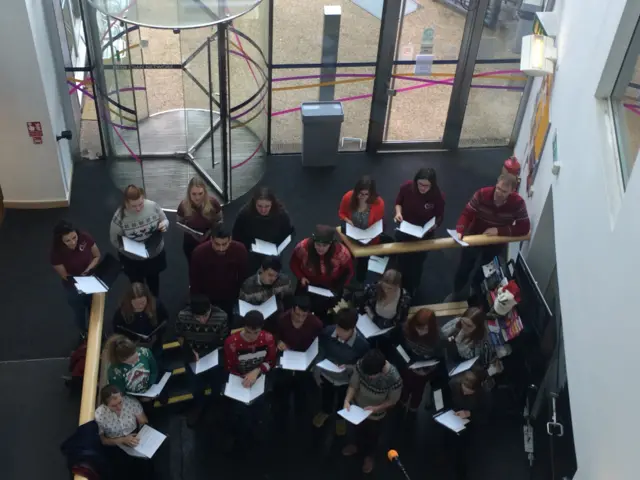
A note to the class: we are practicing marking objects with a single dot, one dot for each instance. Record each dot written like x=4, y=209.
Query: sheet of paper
x=355, y=414
x=369, y=329
x=299, y=361
x=156, y=388
x=377, y=264
x=267, y=308
x=411, y=229
x=135, y=248
x=234, y=389
x=450, y=420
x=463, y=367
x=190, y=230
x=359, y=234
x=403, y=354
x=285, y=243
x=329, y=366
x=205, y=363
x=453, y=234
x=320, y=291
x=438, y=402
x=424, y=364
x=149, y=442
x=89, y=285
x=264, y=248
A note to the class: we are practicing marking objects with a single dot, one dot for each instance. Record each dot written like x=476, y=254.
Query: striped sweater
x=375, y=390
x=481, y=213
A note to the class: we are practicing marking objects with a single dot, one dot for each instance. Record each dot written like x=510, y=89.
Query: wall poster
x=540, y=127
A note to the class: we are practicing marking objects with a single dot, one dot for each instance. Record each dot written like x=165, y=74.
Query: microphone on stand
x=393, y=457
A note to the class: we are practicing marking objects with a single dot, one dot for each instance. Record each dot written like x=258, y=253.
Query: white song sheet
x=450, y=420
x=268, y=248
x=355, y=414
x=234, y=389
x=323, y=292
x=364, y=235
x=377, y=264
x=135, y=248
x=299, y=361
x=453, y=234
x=267, y=308
x=207, y=362
x=415, y=230
x=90, y=285
x=149, y=441
x=156, y=388
x=369, y=329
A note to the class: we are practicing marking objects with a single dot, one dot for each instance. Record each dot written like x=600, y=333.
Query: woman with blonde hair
x=386, y=302
x=200, y=212
x=142, y=221
x=141, y=317
x=132, y=369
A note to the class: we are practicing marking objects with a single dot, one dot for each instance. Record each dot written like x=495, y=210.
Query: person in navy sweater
x=418, y=201
x=492, y=211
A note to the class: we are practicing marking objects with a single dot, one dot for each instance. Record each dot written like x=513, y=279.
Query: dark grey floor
x=38, y=324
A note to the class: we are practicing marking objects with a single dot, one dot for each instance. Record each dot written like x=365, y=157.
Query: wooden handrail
x=92, y=362
x=423, y=245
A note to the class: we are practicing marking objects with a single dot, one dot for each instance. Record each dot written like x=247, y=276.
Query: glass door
x=424, y=66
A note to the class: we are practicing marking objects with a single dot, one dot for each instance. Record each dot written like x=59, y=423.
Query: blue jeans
x=80, y=303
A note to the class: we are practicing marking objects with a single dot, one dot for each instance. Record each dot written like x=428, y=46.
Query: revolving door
x=181, y=91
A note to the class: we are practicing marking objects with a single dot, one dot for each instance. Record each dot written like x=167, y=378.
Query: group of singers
x=224, y=267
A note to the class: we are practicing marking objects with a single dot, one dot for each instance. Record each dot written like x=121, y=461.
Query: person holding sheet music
x=267, y=282
x=143, y=221
x=362, y=207
x=468, y=337
x=320, y=261
x=418, y=202
x=264, y=218
x=386, y=302
x=418, y=340
x=218, y=269
x=249, y=353
x=201, y=328
x=493, y=211
x=141, y=317
x=375, y=386
x=296, y=330
x=471, y=402
x=132, y=369
x=118, y=417
x=200, y=212
x=342, y=345
x=74, y=253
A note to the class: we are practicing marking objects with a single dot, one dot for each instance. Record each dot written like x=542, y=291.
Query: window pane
x=626, y=106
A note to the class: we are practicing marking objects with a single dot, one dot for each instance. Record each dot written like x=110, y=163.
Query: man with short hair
x=342, y=345
x=375, y=386
x=218, y=269
x=268, y=281
x=249, y=353
x=493, y=211
x=201, y=328
x=296, y=331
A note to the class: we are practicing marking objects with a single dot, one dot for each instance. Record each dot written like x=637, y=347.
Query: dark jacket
x=85, y=453
x=273, y=228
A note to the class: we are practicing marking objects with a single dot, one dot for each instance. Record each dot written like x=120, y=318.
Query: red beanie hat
x=512, y=166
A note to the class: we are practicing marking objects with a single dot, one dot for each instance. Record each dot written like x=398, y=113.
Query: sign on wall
x=540, y=127
x=35, y=132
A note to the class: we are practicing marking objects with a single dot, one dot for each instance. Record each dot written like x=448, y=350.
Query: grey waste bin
x=321, y=123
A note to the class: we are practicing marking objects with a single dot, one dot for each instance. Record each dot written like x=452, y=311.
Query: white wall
x=596, y=231
x=30, y=173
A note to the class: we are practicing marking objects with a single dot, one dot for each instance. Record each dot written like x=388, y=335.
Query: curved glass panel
x=174, y=14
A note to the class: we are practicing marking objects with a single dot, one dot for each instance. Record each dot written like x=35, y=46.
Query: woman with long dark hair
x=468, y=336
x=74, y=253
x=321, y=261
x=142, y=221
x=418, y=201
x=362, y=207
x=420, y=340
x=264, y=218
x=200, y=212
x=139, y=316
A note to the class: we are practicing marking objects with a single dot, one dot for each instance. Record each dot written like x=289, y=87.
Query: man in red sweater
x=249, y=353
x=297, y=329
x=218, y=269
x=493, y=211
